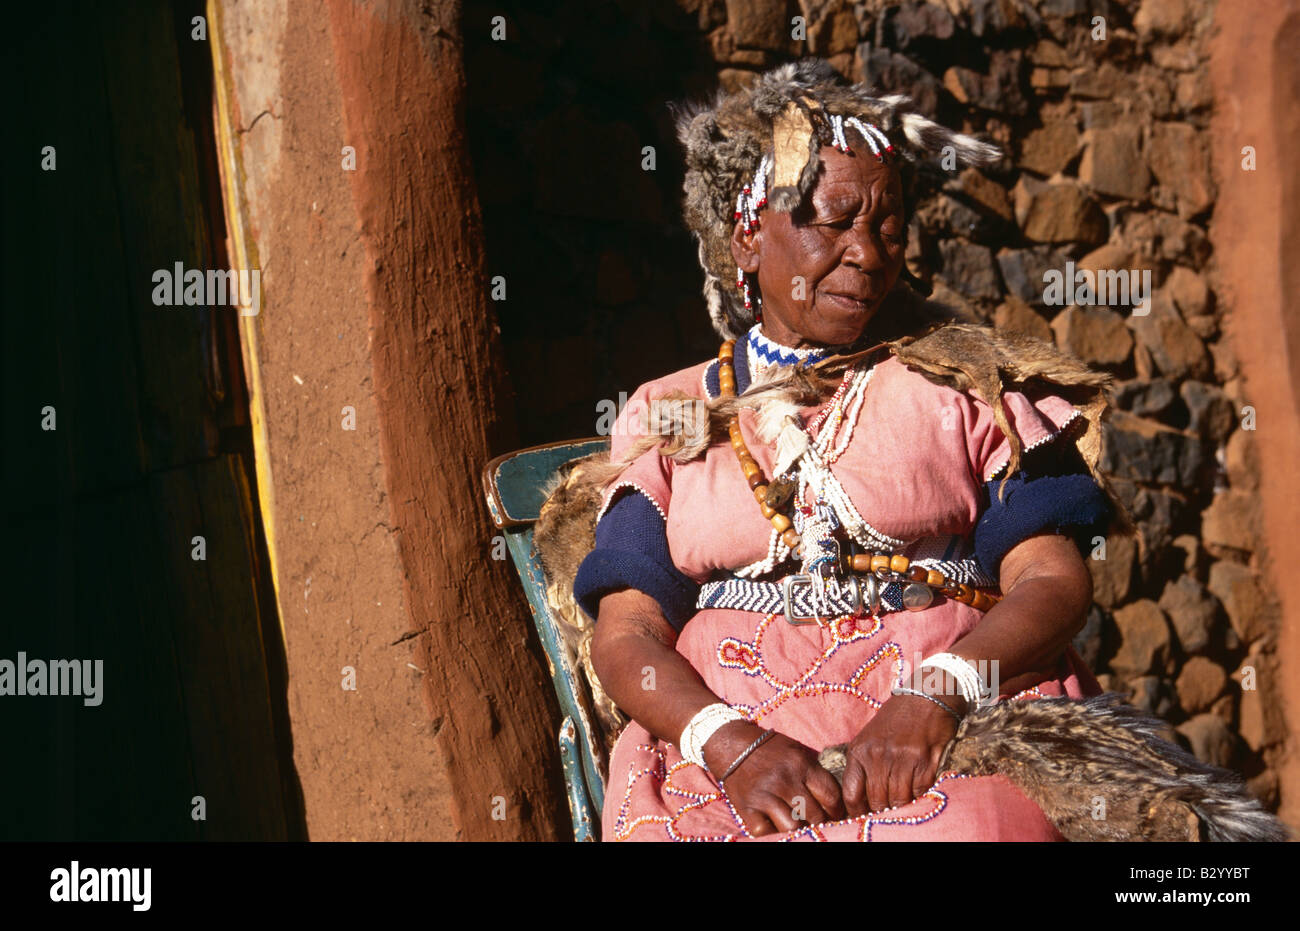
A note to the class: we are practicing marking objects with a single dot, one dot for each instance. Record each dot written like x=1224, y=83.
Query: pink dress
x=915, y=467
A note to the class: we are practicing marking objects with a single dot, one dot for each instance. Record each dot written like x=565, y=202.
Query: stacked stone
x=1103, y=109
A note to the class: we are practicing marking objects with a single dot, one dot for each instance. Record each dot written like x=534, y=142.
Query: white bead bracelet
x=701, y=727
x=969, y=681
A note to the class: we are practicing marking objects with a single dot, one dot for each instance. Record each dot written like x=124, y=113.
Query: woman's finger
x=827, y=792
x=853, y=789
x=923, y=778
x=901, y=776
x=877, y=768
x=807, y=809
x=756, y=823
x=782, y=815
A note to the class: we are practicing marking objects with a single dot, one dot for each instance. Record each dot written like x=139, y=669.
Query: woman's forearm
x=654, y=684
x=639, y=667
x=634, y=655
x=1045, y=605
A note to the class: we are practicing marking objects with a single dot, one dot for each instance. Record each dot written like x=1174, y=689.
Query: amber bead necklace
x=773, y=496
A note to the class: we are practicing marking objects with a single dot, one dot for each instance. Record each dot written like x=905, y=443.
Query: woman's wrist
x=954, y=700
x=964, y=687
x=727, y=743
x=699, y=730
x=957, y=703
x=953, y=706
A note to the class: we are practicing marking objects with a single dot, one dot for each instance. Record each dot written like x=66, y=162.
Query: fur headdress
x=782, y=121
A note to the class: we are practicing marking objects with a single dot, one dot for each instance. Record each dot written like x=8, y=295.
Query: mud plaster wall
x=371, y=301
x=1256, y=232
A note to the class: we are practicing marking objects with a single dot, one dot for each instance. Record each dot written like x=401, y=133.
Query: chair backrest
x=514, y=485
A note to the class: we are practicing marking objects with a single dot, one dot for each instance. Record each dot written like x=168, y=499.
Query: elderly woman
x=848, y=570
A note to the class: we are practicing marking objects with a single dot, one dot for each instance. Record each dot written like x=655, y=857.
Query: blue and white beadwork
x=765, y=353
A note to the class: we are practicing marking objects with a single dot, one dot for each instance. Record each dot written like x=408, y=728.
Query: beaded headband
x=753, y=197
x=760, y=147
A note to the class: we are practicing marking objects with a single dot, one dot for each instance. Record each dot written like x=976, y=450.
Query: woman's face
x=825, y=268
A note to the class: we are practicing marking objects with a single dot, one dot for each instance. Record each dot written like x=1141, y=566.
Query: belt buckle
x=787, y=598
x=850, y=586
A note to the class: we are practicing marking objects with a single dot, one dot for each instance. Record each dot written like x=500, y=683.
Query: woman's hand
x=1047, y=593
x=896, y=756
x=778, y=787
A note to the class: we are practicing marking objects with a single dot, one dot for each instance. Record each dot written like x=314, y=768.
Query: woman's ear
x=745, y=248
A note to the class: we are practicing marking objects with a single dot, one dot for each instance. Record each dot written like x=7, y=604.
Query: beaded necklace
x=772, y=497
x=766, y=354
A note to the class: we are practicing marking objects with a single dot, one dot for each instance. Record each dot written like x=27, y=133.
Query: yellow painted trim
x=244, y=250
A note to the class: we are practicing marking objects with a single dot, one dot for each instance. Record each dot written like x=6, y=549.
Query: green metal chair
x=514, y=485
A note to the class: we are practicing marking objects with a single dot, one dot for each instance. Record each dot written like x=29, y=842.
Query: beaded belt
x=793, y=597
x=879, y=590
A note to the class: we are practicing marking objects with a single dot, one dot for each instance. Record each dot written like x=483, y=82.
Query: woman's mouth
x=848, y=302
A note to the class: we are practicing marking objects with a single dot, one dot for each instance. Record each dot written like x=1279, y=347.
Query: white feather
x=771, y=417
x=792, y=443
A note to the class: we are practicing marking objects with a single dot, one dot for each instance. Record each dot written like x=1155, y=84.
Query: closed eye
x=891, y=231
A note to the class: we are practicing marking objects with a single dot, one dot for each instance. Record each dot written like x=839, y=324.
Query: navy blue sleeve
x=1047, y=498
x=632, y=552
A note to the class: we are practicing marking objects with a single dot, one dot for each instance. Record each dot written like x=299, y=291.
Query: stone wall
x=1103, y=110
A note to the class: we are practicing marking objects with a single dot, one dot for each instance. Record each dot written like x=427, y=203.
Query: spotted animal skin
x=1100, y=770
